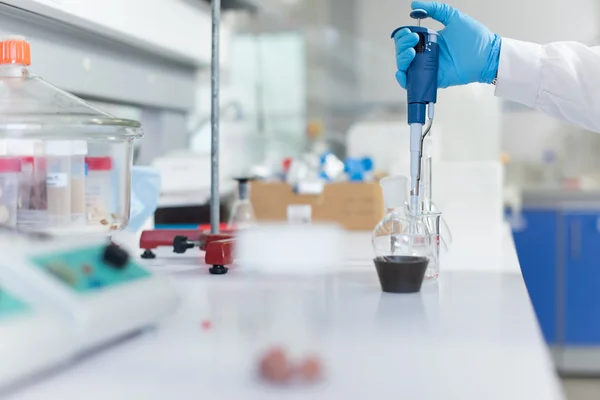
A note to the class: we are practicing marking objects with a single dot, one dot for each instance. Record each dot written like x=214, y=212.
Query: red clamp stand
x=218, y=247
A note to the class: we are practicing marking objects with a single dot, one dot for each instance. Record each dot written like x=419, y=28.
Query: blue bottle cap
x=367, y=163
x=356, y=176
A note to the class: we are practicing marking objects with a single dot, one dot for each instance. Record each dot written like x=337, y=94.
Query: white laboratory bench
x=472, y=335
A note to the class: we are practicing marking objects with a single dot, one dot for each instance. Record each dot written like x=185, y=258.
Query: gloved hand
x=469, y=52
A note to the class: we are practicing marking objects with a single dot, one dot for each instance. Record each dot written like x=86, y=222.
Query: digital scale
x=30, y=341
x=61, y=297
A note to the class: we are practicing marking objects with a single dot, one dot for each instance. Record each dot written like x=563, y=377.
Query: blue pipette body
x=422, y=74
x=421, y=88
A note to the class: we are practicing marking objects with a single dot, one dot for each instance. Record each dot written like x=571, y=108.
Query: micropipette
x=421, y=88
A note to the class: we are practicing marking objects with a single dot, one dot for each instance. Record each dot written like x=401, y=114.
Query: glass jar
x=52, y=132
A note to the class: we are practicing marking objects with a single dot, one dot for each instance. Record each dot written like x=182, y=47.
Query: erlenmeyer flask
x=399, y=233
x=242, y=213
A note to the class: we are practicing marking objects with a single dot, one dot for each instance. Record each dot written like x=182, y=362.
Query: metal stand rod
x=214, y=119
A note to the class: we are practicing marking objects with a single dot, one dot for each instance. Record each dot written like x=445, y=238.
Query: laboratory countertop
x=469, y=336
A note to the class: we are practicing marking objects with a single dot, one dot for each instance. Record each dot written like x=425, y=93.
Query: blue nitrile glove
x=469, y=52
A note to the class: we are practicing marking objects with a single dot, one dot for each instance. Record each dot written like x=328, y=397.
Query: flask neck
x=13, y=70
x=243, y=191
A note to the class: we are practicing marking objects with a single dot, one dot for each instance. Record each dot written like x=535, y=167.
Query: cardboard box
x=353, y=205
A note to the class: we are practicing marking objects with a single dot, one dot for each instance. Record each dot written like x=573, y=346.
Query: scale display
x=10, y=305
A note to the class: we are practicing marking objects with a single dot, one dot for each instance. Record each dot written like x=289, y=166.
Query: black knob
x=148, y=254
x=115, y=256
x=181, y=244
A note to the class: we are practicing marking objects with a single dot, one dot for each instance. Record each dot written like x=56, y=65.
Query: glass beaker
x=242, y=213
x=433, y=221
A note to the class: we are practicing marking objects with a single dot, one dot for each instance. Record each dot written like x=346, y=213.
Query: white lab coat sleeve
x=561, y=79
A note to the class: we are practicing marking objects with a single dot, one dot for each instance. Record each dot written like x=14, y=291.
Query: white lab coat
x=561, y=79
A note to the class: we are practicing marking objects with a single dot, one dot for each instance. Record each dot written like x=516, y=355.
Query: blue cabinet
x=559, y=253
x=581, y=259
x=536, y=242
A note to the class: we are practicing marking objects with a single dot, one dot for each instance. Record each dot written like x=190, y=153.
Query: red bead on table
x=206, y=325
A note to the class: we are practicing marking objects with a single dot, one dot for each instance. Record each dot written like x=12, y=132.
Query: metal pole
x=214, y=120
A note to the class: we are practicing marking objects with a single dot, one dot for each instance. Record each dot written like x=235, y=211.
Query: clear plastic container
x=34, y=111
x=58, y=182
x=10, y=169
x=97, y=191
x=290, y=270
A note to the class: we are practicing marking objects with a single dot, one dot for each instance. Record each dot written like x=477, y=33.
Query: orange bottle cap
x=15, y=50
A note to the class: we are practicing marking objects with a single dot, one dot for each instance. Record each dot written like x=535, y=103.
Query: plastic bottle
x=32, y=197
x=78, y=190
x=97, y=190
x=10, y=169
x=58, y=181
x=24, y=150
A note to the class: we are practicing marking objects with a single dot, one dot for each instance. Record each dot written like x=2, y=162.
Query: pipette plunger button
x=419, y=14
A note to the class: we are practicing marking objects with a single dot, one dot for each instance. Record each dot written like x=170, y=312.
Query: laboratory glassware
x=242, y=213
x=400, y=233
x=290, y=270
x=54, y=124
x=401, y=274
x=395, y=193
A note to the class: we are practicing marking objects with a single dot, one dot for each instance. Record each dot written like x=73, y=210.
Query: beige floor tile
x=582, y=389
